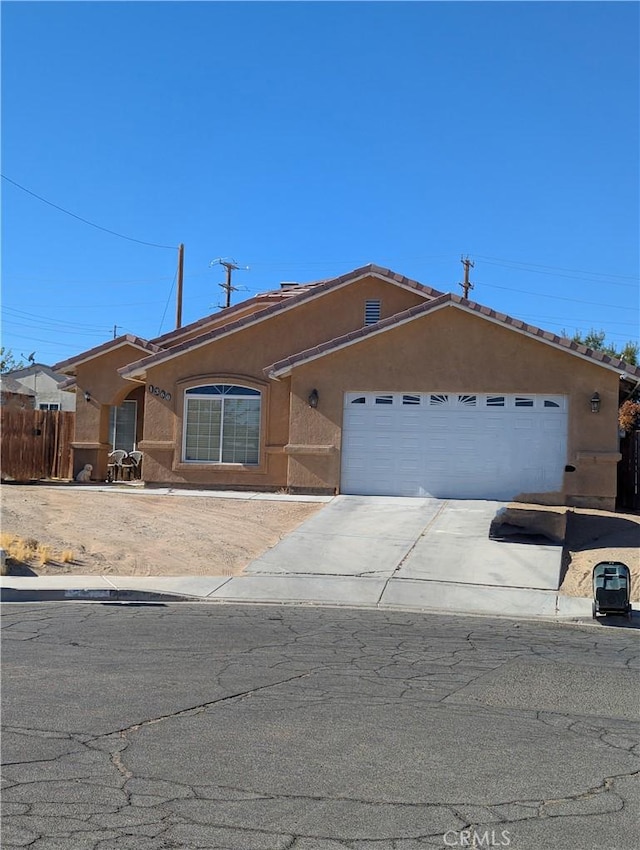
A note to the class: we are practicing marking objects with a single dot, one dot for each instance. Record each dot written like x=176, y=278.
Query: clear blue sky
x=306, y=139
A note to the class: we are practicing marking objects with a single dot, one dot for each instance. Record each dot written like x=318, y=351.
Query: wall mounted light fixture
x=87, y=396
x=595, y=403
x=313, y=398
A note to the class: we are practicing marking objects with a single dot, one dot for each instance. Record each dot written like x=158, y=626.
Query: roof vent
x=289, y=284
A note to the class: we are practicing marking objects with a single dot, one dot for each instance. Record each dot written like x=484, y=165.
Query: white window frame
x=113, y=426
x=190, y=394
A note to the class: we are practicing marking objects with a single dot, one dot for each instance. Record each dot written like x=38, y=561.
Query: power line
x=49, y=341
x=574, y=274
x=86, y=221
x=166, y=306
x=11, y=323
x=555, y=297
x=64, y=322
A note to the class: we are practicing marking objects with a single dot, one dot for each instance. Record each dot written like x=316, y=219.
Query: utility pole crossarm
x=467, y=285
x=230, y=266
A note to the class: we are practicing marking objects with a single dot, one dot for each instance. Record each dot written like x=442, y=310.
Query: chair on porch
x=133, y=464
x=114, y=464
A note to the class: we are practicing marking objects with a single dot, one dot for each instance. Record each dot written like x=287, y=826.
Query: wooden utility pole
x=179, y=286
x=467, y=285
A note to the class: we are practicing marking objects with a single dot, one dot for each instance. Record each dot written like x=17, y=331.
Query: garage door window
x=438, y=400
x=222, y=424
x=467, y=400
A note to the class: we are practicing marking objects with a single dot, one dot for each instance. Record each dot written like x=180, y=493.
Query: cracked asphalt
x=149, y=727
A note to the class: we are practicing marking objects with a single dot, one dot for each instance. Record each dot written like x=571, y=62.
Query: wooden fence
x=629, y=473
x=36, y=444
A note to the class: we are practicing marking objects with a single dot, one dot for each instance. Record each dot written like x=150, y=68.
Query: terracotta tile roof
x=283, y=367
x=68, y=384
x=292, y=299
x=274, y=295
x=127, y=339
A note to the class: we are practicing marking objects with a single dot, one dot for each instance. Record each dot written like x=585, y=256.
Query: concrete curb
x=337, y=591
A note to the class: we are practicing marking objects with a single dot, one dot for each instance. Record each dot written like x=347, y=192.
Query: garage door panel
x=453, y=445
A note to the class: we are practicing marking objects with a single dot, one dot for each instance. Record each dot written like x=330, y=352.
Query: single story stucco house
x=367, y=383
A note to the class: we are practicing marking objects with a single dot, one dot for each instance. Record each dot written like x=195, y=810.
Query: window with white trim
x=222, y=424
x=372, y=309
x=52, y=406
x=122, y=426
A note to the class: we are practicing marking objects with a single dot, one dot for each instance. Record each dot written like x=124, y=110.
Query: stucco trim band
x=309, y=450
x=602, y=457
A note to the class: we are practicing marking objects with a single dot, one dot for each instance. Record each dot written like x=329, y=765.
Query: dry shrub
x=18, y=549
x=44, y=554
x=25, y=550
x=6, y=539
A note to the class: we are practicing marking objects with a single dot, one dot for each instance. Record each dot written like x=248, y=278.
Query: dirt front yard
x=140, y=534
x=121, y=532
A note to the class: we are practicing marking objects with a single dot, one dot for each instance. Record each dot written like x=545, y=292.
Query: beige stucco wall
x=448, y=350
x=451, y=350
x=100, y=378
x=241, y=358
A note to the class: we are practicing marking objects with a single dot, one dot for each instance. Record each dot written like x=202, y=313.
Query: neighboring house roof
x=8, y=384
x=34, y=369
x=68, y=366
x=289, y=302
x=284, y=367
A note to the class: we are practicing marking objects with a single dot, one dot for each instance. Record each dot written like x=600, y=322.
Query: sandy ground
x=137, y=534
x=129, y=533
x=594, y=536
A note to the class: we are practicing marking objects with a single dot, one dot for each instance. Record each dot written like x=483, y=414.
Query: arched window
x=222, y=424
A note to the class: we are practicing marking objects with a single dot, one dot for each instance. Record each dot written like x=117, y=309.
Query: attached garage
x=453, y=445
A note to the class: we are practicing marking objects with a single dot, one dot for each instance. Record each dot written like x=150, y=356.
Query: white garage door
x=449, y=445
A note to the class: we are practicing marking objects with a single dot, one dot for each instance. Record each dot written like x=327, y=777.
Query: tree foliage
x=629, y=415
x=8, y=362
x=597, y=341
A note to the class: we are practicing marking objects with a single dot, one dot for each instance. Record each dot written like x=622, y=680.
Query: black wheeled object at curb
x=611, y=589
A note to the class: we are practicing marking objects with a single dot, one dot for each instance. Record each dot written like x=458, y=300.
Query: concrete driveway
x=422, y=553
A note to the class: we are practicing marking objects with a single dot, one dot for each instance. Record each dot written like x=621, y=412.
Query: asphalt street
x=149, y=727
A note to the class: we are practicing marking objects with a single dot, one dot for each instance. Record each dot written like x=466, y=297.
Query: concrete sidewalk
x=373, y=552
x=347, y=591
